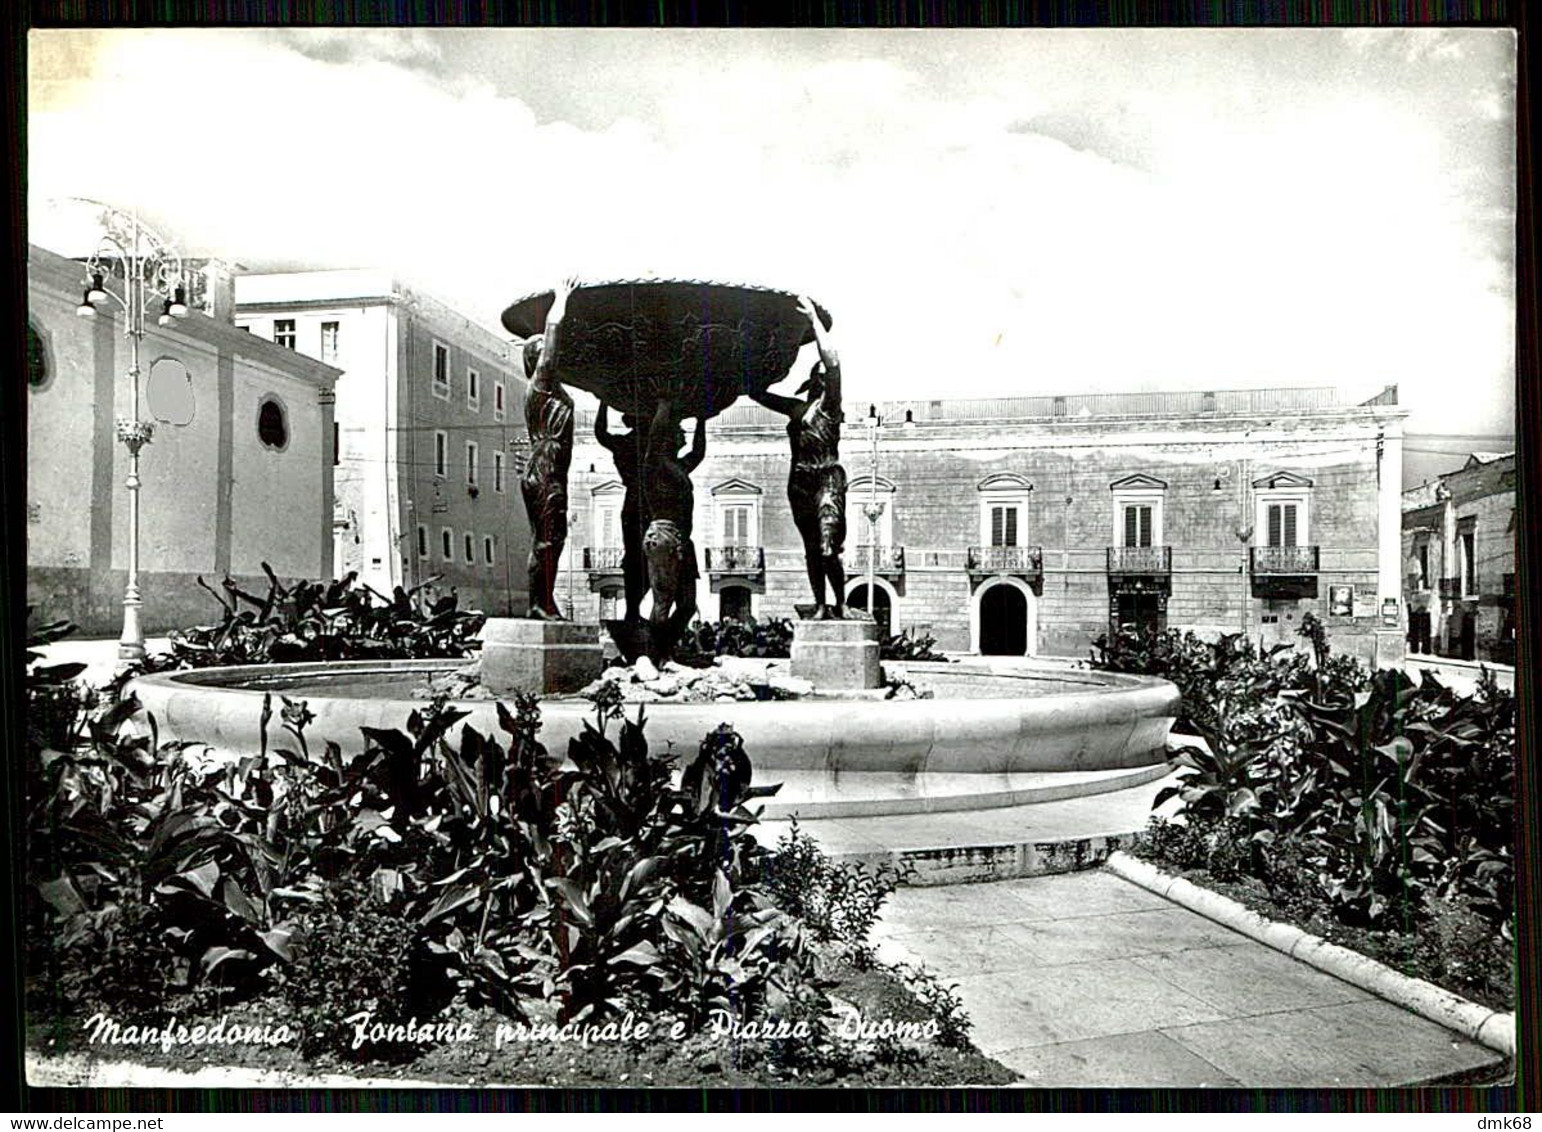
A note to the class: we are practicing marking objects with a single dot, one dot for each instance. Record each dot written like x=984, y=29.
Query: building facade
x=1030, y=526
x=238, y=471
x=1459, y=554
x=429, y=432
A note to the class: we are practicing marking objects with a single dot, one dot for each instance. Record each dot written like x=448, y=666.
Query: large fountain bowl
x=990, y=737
x=626, y=340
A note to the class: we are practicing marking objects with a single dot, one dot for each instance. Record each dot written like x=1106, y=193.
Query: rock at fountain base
x=836, y=654
x=544, y=658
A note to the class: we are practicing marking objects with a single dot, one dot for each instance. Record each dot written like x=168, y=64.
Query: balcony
x=603, y=565
x=1140, y=560
x=1140, y=569
x=1026, y=562
x=1284, y=559
x=1450, y=587
x=1284, y=571
x=887, y=561
x=741, y=565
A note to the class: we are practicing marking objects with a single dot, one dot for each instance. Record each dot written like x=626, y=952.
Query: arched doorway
x=883, y=608
x=1003, y=619
x=733, y=602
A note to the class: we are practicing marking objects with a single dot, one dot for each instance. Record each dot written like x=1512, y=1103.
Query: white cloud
x=1276, y=239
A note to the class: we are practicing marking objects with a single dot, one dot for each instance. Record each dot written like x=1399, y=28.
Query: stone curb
x=1492, y=1028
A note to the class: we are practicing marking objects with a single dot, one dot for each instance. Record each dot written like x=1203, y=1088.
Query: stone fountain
x=657, y=352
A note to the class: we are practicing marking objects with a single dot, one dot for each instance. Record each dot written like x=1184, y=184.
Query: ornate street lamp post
x=874, y=511
x=151, y=273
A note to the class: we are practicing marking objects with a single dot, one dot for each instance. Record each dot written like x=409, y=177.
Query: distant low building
x=428, y=432
x=1031, y=525
x=1459, y=554
x=237, y=473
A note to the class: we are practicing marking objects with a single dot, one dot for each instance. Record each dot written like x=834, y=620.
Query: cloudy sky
x=984, y=212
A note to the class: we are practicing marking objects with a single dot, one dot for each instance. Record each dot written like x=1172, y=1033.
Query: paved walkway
x=1087, y=980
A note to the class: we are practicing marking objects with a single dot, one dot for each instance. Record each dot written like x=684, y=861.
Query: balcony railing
x=885, y=559
x=1284, y=560
x=736, y=559
x=1140, y=560
x=1005, y=560
x=1450, y=587
x=606, y=559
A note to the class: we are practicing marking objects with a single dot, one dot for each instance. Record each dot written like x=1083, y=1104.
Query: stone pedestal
x=539, y=657
x=836, y=654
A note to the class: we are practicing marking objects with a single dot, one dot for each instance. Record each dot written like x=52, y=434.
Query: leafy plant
x=770, y=639
x=57, y=700
x=942, y=1002
x=349, y=956
x=321, y=621
x=840, y=902
x=902, y=646
x=1376, y=797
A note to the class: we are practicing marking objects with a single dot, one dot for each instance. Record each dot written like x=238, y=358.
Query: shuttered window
x=1003, y=526
x=1282, y=524
x=606, y=524
x=736, y=526
x=1137, y=525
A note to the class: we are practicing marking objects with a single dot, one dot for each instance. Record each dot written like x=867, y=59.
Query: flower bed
x=1363, y=807
x=479, y=885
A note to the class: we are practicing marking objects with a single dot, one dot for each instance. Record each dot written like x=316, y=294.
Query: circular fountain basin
x=988, y=738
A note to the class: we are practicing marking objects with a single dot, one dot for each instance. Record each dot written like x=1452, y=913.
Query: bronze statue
x=549, y=423
x=816, y=483
x=668, y=500
x=627, y=452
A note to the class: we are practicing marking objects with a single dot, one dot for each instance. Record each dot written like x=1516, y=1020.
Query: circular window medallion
x=272, y=423
x=169, y=392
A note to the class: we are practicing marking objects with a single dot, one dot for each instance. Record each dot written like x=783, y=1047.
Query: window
x=329, y=341
x=1424, y=565
x=37, y=357
x=1138, y=510
x=473, y=390
x=1282, y=523
x=471, y=557
x=498, y=472
x=1137, y=524
x=272, y=424
x=1003, y=524
x=1004, y=509
x=736, y=525
x=1283, y=514
x=422, y=541
x=283, y=332
x=610, y=605
x=860, y=530
x=441, y=454
x=447, y=543
x=736, y=520
x=607, y=523
x=471, y=463
x=441, y=386
x=497, y=400
x=487, y=549
x=1467, y=539
x=337, y=443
